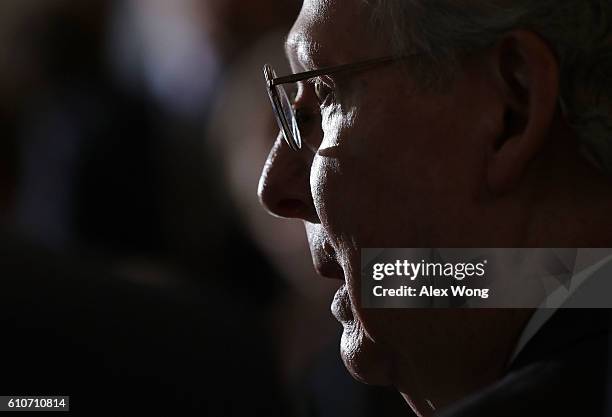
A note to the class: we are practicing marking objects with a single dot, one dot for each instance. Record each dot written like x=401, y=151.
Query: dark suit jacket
x=564, y=370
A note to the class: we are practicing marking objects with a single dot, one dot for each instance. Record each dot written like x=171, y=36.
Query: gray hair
x=579, y=31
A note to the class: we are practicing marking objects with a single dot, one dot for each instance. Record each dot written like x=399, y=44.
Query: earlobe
x=527, y=74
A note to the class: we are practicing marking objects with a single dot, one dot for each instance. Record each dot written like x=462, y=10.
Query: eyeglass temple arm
x=332, y=70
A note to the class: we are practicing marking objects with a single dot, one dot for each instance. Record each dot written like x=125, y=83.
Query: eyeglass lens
x=284, y=112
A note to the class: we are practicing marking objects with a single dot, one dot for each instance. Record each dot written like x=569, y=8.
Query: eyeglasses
x=282, y=105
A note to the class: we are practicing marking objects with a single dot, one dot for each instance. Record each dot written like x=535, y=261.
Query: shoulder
x=564, y=370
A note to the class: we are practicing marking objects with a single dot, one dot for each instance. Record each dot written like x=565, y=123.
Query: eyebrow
x=289, y=44
x=305, y=52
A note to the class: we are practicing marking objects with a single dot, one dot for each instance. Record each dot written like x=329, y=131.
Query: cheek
x=344, y=174
x=325, y=187
x=365, y=181
x=343, y=200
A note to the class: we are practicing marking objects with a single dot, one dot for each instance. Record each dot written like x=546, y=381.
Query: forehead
x=332, y=32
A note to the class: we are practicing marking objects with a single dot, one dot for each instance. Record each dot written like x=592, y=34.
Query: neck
x=478, y=357
x=573, y=208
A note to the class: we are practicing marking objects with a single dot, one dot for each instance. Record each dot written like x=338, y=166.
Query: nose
x=284, y=186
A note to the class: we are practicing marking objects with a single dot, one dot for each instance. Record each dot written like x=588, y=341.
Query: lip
x=326, y=264
x=324, y=258
x=341, y=305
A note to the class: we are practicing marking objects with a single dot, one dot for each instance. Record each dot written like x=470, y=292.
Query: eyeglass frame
x=272, y=82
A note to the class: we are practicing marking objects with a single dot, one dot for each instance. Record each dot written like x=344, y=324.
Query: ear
x=527, y=74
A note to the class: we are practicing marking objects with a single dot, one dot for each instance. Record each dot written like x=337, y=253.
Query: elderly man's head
x=475, y=139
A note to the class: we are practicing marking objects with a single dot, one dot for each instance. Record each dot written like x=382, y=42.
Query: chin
x=364, y=359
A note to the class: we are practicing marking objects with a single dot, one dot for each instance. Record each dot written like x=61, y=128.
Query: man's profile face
x=388, y=164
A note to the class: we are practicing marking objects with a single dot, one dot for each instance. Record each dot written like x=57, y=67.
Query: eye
x=304, y=118
x=309, y=123
x=322, y=91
